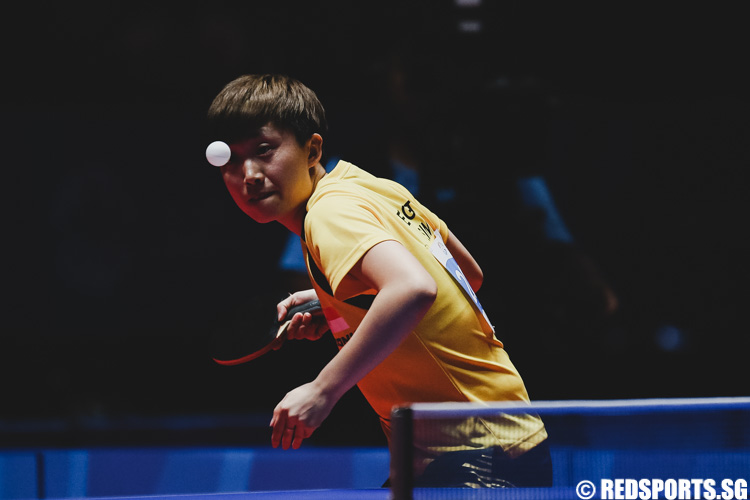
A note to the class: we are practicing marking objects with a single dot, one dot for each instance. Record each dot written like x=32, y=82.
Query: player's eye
x=263, y=149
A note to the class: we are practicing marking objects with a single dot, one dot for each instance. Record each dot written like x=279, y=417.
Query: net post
x=402, y=453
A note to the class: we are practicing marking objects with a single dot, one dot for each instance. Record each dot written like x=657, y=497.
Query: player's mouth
x=259, y=196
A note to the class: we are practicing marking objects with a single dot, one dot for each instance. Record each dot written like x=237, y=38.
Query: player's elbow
x=423, y=292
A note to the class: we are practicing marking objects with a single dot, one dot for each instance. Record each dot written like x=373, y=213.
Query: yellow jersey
x=452, y=355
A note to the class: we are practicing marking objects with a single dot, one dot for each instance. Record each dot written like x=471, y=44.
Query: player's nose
x=251, y=173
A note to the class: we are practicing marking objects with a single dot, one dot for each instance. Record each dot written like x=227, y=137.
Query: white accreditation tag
x=443, y=255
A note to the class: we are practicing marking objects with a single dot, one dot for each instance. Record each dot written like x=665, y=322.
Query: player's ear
x=315, y=151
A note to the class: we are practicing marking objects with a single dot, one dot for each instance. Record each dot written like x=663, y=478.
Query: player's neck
x=295, y=222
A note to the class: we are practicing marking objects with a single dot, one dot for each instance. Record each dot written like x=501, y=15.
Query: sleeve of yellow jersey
x=339, y=230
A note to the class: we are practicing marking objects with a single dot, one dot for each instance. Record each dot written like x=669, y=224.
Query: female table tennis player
x=397, y=288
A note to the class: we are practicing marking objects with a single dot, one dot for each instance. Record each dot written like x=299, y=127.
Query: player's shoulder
x=340, y=208
x=346, y=184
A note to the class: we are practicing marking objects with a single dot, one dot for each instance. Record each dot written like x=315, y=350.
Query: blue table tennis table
x=556, y=493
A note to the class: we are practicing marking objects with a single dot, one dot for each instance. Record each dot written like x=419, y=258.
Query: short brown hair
x=251, y=101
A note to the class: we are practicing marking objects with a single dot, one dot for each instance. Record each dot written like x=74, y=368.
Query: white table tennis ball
x=218, y=153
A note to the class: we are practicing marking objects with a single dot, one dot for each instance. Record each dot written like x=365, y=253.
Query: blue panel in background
x=18, y=475
x=300, y=469
x=66, y=473
x=180, y=471
x=197, y=471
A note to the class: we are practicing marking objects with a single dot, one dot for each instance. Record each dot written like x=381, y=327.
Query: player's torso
x=451, y=356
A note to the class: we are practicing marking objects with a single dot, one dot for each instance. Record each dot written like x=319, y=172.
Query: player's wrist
x=300, y=297
x=330, y=387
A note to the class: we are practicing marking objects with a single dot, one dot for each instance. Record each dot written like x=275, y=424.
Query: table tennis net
x=632, y=446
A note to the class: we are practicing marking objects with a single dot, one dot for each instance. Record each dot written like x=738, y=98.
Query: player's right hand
x=297, y=415
x=302, y=326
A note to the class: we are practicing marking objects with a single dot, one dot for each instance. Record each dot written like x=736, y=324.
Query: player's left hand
x=297, y=416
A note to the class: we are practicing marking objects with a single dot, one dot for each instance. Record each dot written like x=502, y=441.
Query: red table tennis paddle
x=234, y=347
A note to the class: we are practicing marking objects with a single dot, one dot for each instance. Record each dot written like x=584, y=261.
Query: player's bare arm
x=405, y=293
x=465, y=261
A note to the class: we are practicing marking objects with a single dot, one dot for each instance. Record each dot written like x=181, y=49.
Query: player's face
x=269, y=176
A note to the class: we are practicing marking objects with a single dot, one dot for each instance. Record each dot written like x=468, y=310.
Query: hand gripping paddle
x=233, y=347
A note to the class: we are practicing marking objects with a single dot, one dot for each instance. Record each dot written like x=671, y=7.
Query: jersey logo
x=406, y=213
x=426, y=230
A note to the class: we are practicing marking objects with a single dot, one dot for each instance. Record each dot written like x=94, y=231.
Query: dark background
x=124, y=251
